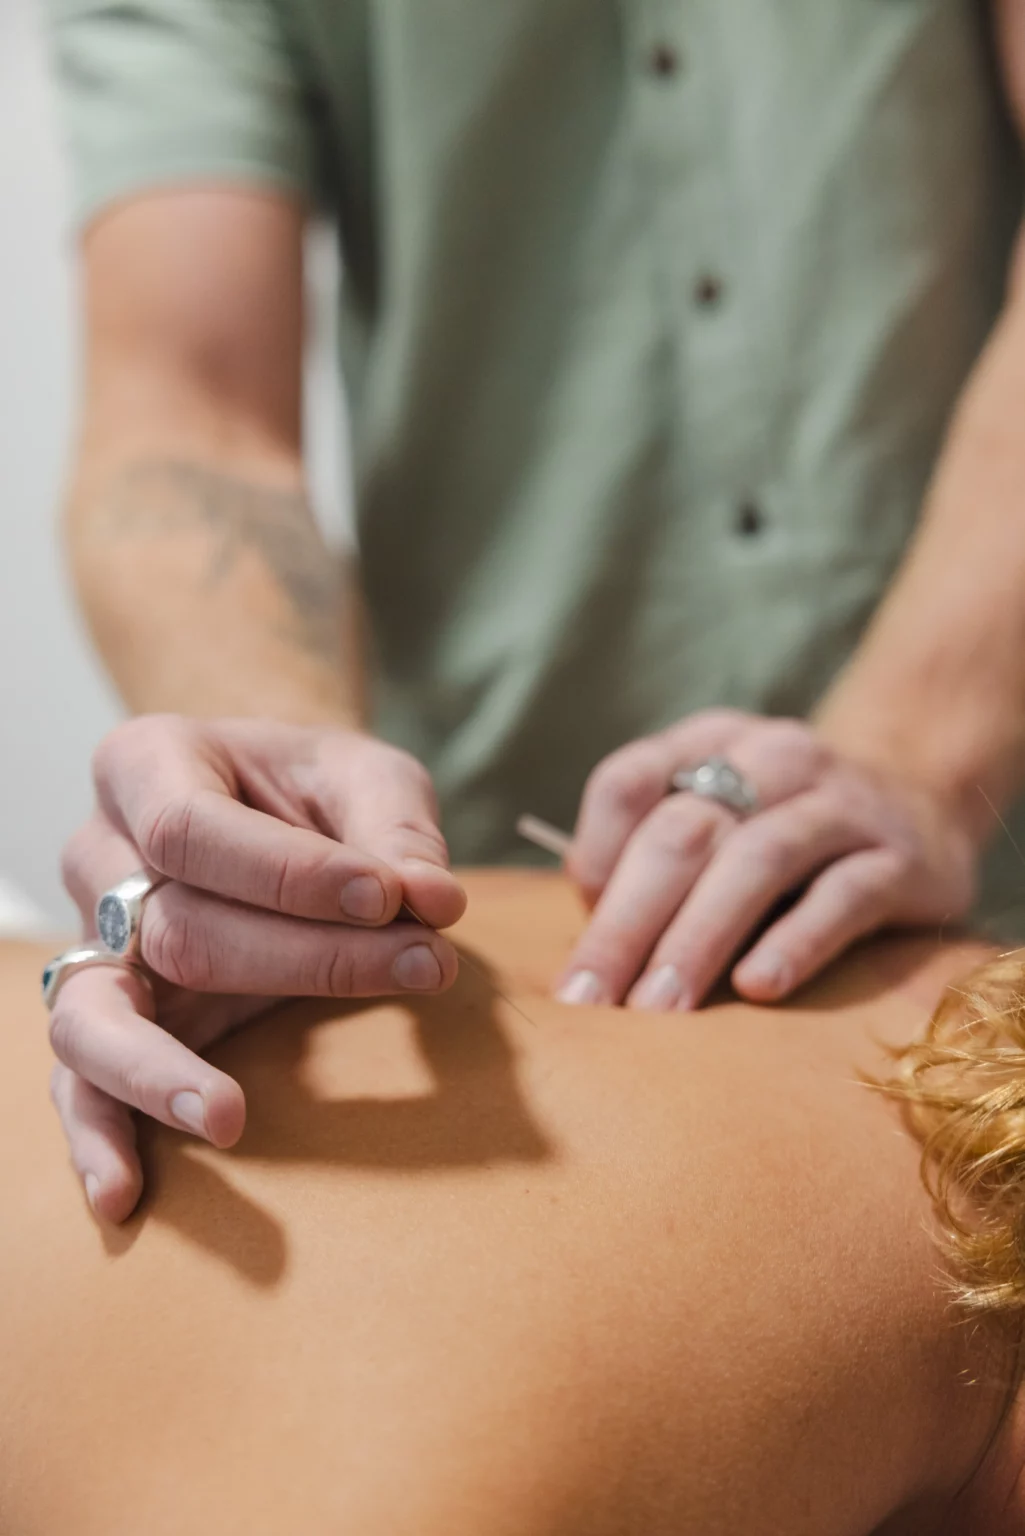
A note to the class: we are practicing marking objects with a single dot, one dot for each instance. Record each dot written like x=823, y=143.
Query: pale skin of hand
x=881, y=806
x=289, y=853
x=678, y=882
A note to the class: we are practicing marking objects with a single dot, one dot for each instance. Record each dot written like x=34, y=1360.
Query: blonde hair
x=963, y=1091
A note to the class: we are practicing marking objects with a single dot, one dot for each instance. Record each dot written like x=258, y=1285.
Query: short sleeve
x=161, y=91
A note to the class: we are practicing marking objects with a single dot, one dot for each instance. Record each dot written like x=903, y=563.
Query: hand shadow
x=474, y=1117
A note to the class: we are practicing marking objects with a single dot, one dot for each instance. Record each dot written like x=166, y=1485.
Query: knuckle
x=413, y=769
x=718, y=718
x=897, y=865
x=135, y=1087
x=773, y=853
x=62, y=1086
x=292, y=883
x=624, y=781
x=109, y=752
x=427, y=838
x=66, y=1028
x=164, y=835
x=794, y=739
x=613, y=953
x=75, y=861
x=125, y=740
x=374, y=762
x=335, y=972
x=589, y=884
x=686, y=829
x=785, y=733
x=176, y=945
x=397, y=762
x=867, y=884
x=802, y=953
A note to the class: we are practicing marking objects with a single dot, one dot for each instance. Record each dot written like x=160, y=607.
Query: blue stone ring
x=119, y=912
x=56, y=973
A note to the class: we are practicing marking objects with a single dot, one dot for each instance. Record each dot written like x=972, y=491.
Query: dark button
x=663, y=60
x=708, y=290
x=749, y=521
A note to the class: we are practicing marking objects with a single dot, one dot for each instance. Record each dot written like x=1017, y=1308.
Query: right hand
x=288, y=853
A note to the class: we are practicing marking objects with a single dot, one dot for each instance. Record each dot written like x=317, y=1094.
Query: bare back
x=485, y=1264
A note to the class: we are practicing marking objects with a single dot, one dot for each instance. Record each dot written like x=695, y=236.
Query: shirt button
x=708, y=291
x=664, y=61
x=749, y=520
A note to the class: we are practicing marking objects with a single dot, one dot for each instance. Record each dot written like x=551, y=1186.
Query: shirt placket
x=701, y=268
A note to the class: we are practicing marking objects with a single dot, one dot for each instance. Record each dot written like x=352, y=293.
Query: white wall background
x=54, y=701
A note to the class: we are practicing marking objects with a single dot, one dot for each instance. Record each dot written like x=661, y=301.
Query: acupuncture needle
x=471, y=965
x=543, y=835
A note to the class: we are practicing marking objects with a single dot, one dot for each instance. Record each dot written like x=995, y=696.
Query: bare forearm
x=938, y=684
x=209, y=589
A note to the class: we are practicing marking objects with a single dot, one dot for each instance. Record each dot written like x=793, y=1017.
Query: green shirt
x=654, y=315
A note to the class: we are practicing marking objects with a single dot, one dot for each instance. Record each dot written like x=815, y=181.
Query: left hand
x=678, y=883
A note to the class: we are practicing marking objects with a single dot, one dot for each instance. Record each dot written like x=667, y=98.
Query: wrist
x=283, y=700
x=965, y=792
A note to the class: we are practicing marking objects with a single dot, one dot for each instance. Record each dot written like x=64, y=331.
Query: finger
x=382, y=801
x=661, y=863
x=850, y=899
x=97, y=1029
x=101, y=1139
x=629, y=784
x=94, y=858
x=175, y=803
x=763, y=860
x=204, y=944
x=780, y=758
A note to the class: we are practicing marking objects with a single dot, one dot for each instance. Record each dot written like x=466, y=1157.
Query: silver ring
x=716, y=779
x=119, y=911
x=57, y=970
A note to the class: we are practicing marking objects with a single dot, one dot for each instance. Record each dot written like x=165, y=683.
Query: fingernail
x=92, y=1188
x=661, y=989
x=189, y=1111
x=583, y=987
x=364, y=898
x=767, y=970
x=417, y=969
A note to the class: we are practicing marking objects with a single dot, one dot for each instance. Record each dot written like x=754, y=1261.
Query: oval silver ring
x=717, y=779
x=119, y=911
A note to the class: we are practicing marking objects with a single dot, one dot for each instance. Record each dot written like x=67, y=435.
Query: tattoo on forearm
x=240, y=516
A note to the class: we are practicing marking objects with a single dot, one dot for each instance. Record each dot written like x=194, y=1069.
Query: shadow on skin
x=475, y=1117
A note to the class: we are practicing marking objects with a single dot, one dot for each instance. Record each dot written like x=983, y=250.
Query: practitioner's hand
x=679, y=884
x=289, y=852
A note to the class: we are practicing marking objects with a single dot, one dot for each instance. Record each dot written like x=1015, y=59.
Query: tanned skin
x=205, y=579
